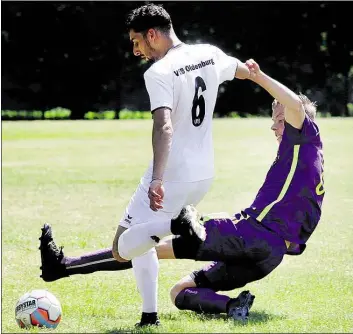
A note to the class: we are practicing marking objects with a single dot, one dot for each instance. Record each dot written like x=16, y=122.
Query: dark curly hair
x=149, y=16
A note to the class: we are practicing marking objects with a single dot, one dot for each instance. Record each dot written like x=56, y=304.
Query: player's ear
x=151, y=34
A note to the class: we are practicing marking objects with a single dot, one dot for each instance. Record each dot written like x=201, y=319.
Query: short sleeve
x=226, y=65
x=309, y=132
x=310, y=128
x=160, y=89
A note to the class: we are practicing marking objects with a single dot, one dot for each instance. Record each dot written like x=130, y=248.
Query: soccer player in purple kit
x=252, y=243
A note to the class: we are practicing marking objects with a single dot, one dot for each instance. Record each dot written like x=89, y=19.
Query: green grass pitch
x=79, y=175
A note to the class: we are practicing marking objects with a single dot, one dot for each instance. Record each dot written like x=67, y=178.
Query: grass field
x=79, y=176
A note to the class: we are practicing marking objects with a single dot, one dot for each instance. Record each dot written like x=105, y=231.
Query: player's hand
x=156, y=195
x=254, y=68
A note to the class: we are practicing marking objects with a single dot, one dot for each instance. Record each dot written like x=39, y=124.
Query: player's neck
x=171, y=42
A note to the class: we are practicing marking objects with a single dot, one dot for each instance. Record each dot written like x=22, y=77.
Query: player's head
x=148, y=26
x=278, y=114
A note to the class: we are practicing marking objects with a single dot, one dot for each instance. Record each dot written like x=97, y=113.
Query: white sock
x=137, y=239
x=146, y=269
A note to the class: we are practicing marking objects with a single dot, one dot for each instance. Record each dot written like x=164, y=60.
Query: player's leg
x=140, y=238
x=145, y=267
x=228, y=276
x=262, y=251
x=139, y=241
x=254, y=252
x=120, y=230
x=191, y=234
x=197, y=292
x=230, y=241
x=144, y=260
x=55, y=265
x=190, y=237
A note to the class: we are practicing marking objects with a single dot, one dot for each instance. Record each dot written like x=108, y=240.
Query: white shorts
x=176, y=196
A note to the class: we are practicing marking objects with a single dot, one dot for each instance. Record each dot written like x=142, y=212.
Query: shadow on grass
x=256, y=317
x=132, y=329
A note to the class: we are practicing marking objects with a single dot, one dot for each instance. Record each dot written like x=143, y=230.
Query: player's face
x=278, y=120
x=144, y=46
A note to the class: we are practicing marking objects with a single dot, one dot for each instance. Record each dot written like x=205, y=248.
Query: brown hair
x=310, y=107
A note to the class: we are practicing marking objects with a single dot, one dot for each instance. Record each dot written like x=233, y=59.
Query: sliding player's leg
x=55, y=265
x=229, y=240
x=198, y=291
x=252, y=253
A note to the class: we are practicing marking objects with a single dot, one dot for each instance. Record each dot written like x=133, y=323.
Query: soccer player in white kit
x=182, y=85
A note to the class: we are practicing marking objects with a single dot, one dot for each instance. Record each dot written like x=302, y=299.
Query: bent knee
x=115, y=251
x=117, y=256
x=184, y=283
x=115, y=248
x=174, y=291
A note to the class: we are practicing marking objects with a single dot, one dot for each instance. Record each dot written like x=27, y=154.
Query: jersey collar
x=174, y=47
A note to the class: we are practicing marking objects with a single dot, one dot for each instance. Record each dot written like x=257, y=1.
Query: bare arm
x=242, y=71
x=294, y=112
x=161, y=141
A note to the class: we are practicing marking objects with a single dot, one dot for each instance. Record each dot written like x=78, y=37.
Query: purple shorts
x=242, y=253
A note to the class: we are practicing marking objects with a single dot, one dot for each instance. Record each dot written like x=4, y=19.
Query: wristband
x=156, y=179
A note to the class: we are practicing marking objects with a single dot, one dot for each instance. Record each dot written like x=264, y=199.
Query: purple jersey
x=289, y=202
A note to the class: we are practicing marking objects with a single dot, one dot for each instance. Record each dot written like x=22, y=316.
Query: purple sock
x=101, y=260
x=201, y=300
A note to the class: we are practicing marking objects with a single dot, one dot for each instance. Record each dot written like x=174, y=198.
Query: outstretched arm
x=294, y=112
x=242, y=72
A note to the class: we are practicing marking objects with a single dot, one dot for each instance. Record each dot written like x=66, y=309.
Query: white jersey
x=186, y=80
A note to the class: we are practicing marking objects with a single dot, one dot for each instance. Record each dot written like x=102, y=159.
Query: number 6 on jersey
x=199, y=101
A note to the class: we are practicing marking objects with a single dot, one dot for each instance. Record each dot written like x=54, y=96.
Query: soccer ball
x=38, y=308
